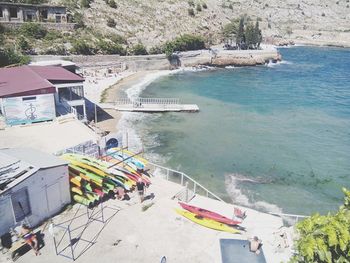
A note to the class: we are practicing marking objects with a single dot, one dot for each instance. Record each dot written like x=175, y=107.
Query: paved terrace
x=49, y=137
x=133, y=235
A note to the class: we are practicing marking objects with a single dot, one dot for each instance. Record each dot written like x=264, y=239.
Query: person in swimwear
x=30, y=238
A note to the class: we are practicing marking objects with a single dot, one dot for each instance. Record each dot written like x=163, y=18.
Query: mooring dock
x=150, y=105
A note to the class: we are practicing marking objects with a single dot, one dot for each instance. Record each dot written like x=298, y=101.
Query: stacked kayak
x=208, y=218
x=93, y=180
x=207, y=222
x=135, y=162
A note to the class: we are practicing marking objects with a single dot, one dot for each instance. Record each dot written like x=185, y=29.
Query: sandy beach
x=128, y=84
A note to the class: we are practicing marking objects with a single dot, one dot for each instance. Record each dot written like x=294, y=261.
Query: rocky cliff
x=153, y=22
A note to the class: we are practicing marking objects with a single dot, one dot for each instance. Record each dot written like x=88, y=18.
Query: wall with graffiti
x=28, y=109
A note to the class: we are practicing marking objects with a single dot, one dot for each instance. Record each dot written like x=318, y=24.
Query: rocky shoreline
x=216, y=57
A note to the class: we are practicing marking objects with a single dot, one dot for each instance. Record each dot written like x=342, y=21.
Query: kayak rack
x=68, y=249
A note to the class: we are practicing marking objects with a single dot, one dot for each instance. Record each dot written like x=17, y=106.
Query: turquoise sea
x=274, y=137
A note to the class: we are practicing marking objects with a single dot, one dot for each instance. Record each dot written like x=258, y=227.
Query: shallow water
x=274, y=137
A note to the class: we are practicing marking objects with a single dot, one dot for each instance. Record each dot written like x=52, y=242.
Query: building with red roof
x=40, y=93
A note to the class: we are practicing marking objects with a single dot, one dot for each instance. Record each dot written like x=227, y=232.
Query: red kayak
x=209, y=214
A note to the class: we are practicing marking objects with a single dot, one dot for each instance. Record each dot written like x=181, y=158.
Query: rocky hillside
x=153, y=22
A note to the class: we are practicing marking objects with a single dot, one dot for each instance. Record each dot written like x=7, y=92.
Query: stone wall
x=56, y=26
x=187, y=59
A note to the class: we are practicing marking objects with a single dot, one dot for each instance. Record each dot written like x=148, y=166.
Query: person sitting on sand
x=30, y=238
x=255, y=245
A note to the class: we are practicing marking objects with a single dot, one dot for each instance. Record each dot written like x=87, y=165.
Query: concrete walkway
x=132, y=233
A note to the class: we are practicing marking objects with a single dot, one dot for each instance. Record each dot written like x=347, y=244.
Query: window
x=44, y=14
x=28, y=98
x=21, y=205
x=13, y=12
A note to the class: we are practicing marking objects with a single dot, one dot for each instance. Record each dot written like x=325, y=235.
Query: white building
x=31, y=94
x=33, y=187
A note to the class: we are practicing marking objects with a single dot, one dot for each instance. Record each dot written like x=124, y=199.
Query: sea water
x=273, y=137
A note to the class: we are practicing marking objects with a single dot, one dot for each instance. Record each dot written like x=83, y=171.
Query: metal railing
x=287, y=217
x=192, y=186
x=141, y=101
x=64, y=103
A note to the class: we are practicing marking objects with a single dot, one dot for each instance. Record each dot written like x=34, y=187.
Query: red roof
x=53, y=73
x=29, y=78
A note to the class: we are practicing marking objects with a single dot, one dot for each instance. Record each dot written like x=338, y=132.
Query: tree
x=230, y=30
x=250, y=38
x=258, y=34
x=9, y=57
x=240, y=34
x=325, y=238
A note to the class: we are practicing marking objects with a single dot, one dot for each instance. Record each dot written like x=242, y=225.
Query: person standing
x=140, y=185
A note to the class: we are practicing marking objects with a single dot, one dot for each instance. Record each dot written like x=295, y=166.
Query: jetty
x=150, y=105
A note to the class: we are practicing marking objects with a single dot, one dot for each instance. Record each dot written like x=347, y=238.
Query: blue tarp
x=237, y=251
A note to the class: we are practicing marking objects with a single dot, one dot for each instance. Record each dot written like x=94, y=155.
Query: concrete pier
x=150, y=105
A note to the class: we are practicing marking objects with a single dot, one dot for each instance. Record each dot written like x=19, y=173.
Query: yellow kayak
x=207, y=222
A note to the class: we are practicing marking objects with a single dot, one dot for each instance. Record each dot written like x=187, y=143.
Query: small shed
x=33, y=187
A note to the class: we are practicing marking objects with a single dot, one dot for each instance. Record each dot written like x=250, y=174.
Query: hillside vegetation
x=154, y=22
x=137, y=27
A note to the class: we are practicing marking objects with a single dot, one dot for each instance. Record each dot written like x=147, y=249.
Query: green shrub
x=108, y=47
x=112, y=3
x=111, y=22
x=23, y=44
x=56, y=50
x=118, y=39
x=156, y=50
x=53, y=35
x=204, y=5
x=139, y=49
x=82, y=47
x=324, y=238
x=199, y=8
x=10, y=57
x=33, y=30
x=230, y=6
x=190, y=11
x=184, y=43
x=78, y=18
x=191, y=3
x=85, y=3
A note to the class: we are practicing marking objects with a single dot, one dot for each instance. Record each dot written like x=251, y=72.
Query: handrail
x=189, y=178
x=162, y=101
x=296, y=217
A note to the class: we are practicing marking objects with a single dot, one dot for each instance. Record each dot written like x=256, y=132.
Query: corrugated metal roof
x=20, y=79
x=28, y=78
x=34, y=157
x=20, y=163
x=52, y=73
x=13, y=171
